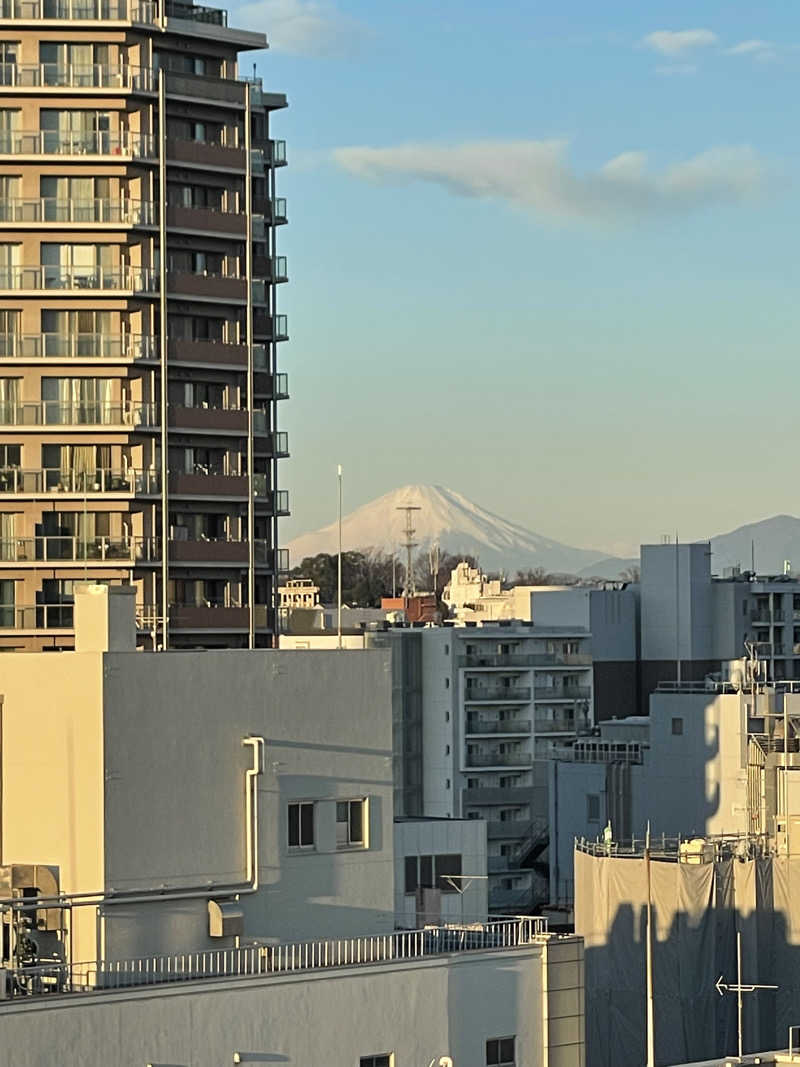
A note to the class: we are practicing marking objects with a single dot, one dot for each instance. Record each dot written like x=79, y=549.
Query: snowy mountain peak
x=449, y=518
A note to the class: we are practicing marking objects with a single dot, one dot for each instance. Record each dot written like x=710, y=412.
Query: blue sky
x=542, y=254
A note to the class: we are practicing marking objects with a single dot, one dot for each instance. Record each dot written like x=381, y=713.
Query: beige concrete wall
x=417, y=1011
x=52, y=771
x=174, y=792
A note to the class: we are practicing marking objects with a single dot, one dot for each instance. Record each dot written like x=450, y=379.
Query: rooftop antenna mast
x=409, y=544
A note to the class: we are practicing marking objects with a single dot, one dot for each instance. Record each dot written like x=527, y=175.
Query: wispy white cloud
x=303, y=27
x=537, y=176
x=758, y=49
x=677, y=42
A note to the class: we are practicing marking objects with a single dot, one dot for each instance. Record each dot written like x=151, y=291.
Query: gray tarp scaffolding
x=697, y=910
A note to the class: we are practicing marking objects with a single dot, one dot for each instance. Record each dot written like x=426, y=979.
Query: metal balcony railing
x=54, y=413
x=522, y=660
x=78, y=346
x=71, y=548
x=499, y=759
x=509, y=726
x=80, y=10
x=101, y=210
x=372, y=950
x=133, y=279
x=562, y=725
x=13, y=480
x=57, y=143
x=501, y=693
x=72, y=76
x=552, y=692
x=36, y=616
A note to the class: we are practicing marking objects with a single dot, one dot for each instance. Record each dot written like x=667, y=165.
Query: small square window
x=384, y=1059
x=350, y=823
x=500, y=1052
x=677, y=727
x=301, y=825
x=448, y=865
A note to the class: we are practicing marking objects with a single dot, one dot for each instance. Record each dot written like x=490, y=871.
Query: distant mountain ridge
x=457, y=525
x=773, y=540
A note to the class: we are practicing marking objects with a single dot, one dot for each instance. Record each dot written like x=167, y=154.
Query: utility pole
x=339, y=569
x=651, y=1036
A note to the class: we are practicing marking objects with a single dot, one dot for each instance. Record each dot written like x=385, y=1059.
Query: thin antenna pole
x=339, y=582
x=651, y=1042
x=677, y=611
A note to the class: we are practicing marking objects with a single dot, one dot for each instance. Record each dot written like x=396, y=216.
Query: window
x=426, y=871
x=349, y=823
x=677, y=727
x=385, y=1059
x=500, y=1052
x=301, y=825
x=448, y=864
x=411, y=869
x=593, y=807
x=447, y=683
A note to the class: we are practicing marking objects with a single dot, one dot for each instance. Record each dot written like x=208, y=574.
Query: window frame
x=377, y=1059
x=301, y=845
x=499, y=1041
x=351, y=842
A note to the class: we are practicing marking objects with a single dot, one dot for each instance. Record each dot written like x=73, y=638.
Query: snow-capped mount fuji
x=455, y=523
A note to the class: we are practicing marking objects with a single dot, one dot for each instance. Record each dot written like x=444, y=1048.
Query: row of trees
x=368, y=576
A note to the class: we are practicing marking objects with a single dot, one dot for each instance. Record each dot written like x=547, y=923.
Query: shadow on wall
x=675, y=797
x=321, y=891
x=696, y=919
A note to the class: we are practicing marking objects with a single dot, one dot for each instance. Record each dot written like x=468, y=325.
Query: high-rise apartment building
x=139, y=376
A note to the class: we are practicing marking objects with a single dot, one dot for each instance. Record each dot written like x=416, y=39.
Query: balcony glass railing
x=33, y=549
x=509, y=726
x=13, y=480
x=196, y=13
x=77, y=346
x=57, y=143
x=280, y=387
x=279, y=327
x=70, y=76
x=54, y=413
x=277, y=153
x=498, y=693
x=499, y=759
x=278, y=210
x=49, y=209
x=36, y=616
x=552, y=692
x=80, y=10
x=134, y=279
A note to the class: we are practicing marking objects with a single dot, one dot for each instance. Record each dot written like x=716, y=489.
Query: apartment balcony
x=209, y=484
x=277, y=211
x=209, y=353
x=508, y=727
x=21, y=76
x=228, y=91
x=208, y=419
x=52, y=212
x=46, y=481
x=209, y=617
x=275, y=445
x=80, y=280
x=207, y=155
x=274, y=386
x=574, y=692
x=275, y=269
x=32, y=617
x=206, y=220
x=492, y=796
x=277, y=154
x=764, y=616
x=276, y=501
x=500, y=694
x=102, y=11
x=215, y=552
x=506, y=828
x=46, y=413
x=275, y=327
x=207, y=287
x=491, y=661
x=85, y=146
x=483, y=760
x=56, y=347
x=563, y=725
x=212, y=16
x=70, y=549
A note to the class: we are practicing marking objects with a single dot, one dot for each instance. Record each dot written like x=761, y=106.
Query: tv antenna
x=409, y=544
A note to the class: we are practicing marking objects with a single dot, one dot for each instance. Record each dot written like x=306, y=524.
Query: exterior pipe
x=151, y=896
